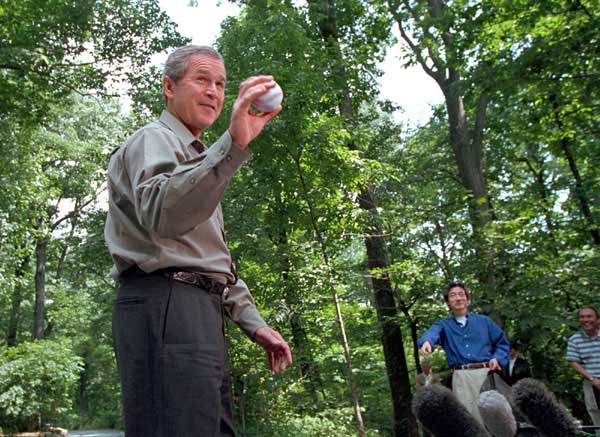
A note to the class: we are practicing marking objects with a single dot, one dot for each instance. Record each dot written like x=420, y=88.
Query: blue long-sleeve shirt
x=479, y=341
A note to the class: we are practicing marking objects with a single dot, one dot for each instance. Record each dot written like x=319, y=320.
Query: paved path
x=99, y=433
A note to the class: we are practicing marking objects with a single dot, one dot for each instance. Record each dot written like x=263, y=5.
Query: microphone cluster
x=443, y=415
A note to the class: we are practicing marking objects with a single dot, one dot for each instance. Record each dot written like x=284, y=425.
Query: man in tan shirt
x=165, y=233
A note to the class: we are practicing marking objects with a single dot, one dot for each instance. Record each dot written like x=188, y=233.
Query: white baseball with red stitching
x=270, y=100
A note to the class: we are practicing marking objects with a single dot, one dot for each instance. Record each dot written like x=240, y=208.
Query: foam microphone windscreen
x=497, y=414
x=542, y=410
x=443, y=415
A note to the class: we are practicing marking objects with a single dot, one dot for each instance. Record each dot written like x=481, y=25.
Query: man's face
x=197, y=99
x=588, y=320
x=457, y=300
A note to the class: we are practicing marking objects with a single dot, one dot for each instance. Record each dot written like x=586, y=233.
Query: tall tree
x=439, y=37
x=554, y=49
x=57, y=47
x=325, y=13
x=310, y=135
x=78, y=47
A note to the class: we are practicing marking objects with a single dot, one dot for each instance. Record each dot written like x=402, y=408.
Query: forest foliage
x=344, y=218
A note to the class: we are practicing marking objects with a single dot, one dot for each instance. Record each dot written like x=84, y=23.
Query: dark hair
x=456, y=283
x=589, y=308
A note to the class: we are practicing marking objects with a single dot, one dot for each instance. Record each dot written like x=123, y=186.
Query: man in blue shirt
x=473, y=344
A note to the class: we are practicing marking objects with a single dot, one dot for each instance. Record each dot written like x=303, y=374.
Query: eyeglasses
x=460, y=293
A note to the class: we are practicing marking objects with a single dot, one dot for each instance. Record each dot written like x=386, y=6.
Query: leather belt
x=191, y=278
x=198, y=280
x=471, y=366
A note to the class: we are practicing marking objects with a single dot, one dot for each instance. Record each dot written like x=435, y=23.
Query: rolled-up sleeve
x=172, y=195
x=240, y=308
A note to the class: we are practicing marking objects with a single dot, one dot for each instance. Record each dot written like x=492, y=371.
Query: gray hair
x=178, y=61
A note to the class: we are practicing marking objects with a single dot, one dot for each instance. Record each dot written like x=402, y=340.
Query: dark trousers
x=172, y=359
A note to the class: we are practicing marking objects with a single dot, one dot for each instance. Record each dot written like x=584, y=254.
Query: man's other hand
x=278, y=351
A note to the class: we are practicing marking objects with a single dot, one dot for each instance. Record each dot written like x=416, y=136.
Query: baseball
x=270, y=100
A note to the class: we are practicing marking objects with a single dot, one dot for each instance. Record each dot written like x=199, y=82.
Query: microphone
x=542, y=410
x=443, y=415
x=497, y=414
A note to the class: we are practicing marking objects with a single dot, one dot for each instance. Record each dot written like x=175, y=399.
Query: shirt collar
x=178, y=128
x=462, y=325
x=452, y=316
x=591, y=337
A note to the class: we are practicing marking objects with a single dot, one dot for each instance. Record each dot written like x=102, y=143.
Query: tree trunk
x=351, y=380
x=468, y=154
x=41, y=245
x=377, y=257
x=414, y=336
x=302, y=347
x=65, y=247
x=444, y=260
x=83, y=388
x=243, y=403
x=536, y=167
x=17, y=298
x=340, y=320
x=466, y=141
x=579, y=191
x=405, y=423
x=14, y=318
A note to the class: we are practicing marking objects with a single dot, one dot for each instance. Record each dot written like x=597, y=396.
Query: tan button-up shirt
x=164, y=208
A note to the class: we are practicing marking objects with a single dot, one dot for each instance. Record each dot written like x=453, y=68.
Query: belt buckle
x=226, y=291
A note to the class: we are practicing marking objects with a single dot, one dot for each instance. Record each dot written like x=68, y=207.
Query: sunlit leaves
x=37, y=377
